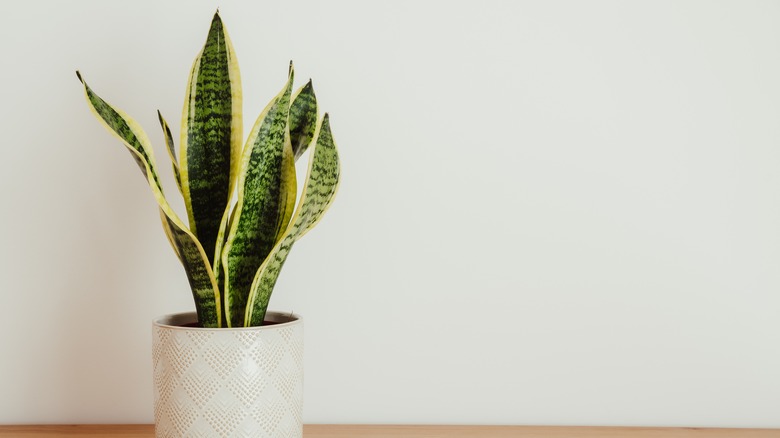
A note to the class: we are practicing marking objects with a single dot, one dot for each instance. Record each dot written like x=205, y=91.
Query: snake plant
x=240, y=196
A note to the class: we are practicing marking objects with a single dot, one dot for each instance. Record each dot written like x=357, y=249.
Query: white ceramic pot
x=228, y=382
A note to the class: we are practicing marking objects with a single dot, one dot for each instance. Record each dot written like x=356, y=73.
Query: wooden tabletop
x=379, y=431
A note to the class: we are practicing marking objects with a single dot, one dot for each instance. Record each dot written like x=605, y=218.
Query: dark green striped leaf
x=171, y=148
x=211, y=135
x=266, y=197
x=227, y=220
x=320, y=188
x=204, y=288
x=186, y=246
x=303, y=119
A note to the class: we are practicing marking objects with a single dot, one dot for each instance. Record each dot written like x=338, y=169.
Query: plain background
x=551, y=212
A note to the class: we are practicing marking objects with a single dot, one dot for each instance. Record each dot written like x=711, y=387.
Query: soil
x=196, y=325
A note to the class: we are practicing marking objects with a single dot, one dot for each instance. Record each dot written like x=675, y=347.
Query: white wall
x=552, y=212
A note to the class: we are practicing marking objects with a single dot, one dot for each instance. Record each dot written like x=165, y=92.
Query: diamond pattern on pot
x=286, y=382
x=296, y=353
x=182, y=418
x=247, y=385
x=228, y=383
x=199, y=338
x=160, y=339
x=269, y=353
x=224, y=355
x=200, y=386
x=224, y=416
x=270, y=416
x=247, y=338
x=182, y=354
x=164, y=387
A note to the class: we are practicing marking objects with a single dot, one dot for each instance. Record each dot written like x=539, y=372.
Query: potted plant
x=231, y=368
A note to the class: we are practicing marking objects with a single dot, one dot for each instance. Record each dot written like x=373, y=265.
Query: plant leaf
x=266, y=197
x=186, y=246
x=171, y=148
x=321, y=185
x=211, y=135
x=303, y=119
x=217, y=266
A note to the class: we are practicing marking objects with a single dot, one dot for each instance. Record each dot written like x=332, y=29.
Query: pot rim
x=172, y=321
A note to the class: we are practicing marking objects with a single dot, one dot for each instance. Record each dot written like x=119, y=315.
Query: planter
x=228, y=382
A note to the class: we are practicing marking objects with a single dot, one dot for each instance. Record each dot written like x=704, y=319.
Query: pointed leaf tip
x=78, y=75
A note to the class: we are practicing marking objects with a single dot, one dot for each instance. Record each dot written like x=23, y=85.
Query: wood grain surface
x=380, y=431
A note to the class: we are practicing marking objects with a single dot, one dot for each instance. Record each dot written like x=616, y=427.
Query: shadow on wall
x=112, y=232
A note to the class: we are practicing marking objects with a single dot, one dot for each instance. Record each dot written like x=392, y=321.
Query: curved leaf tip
x=303, y=119
x=78, y=75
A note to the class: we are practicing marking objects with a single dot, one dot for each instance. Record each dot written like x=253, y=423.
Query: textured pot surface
x=228, y=382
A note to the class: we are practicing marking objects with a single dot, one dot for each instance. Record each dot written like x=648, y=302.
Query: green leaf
x=211, y=135
x=266, y=197
x=322, y=182
x=171, y=148
x=204, y=287
x=186, y=246
x=303, y=119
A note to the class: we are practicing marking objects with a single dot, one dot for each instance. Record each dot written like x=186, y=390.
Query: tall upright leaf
x=171, y=148
x=211, y=135
x=320, y=187
x=186, y=246
x=266, y=197
x=303, y=119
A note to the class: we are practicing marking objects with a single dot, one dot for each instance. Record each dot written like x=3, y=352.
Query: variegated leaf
x=186, y=246
x=171, y=148
x=320, y=187
x=211, y=135
x=266, y=197
x=303, y=119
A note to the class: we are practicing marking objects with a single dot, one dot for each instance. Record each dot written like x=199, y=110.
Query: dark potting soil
x=197, y=325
